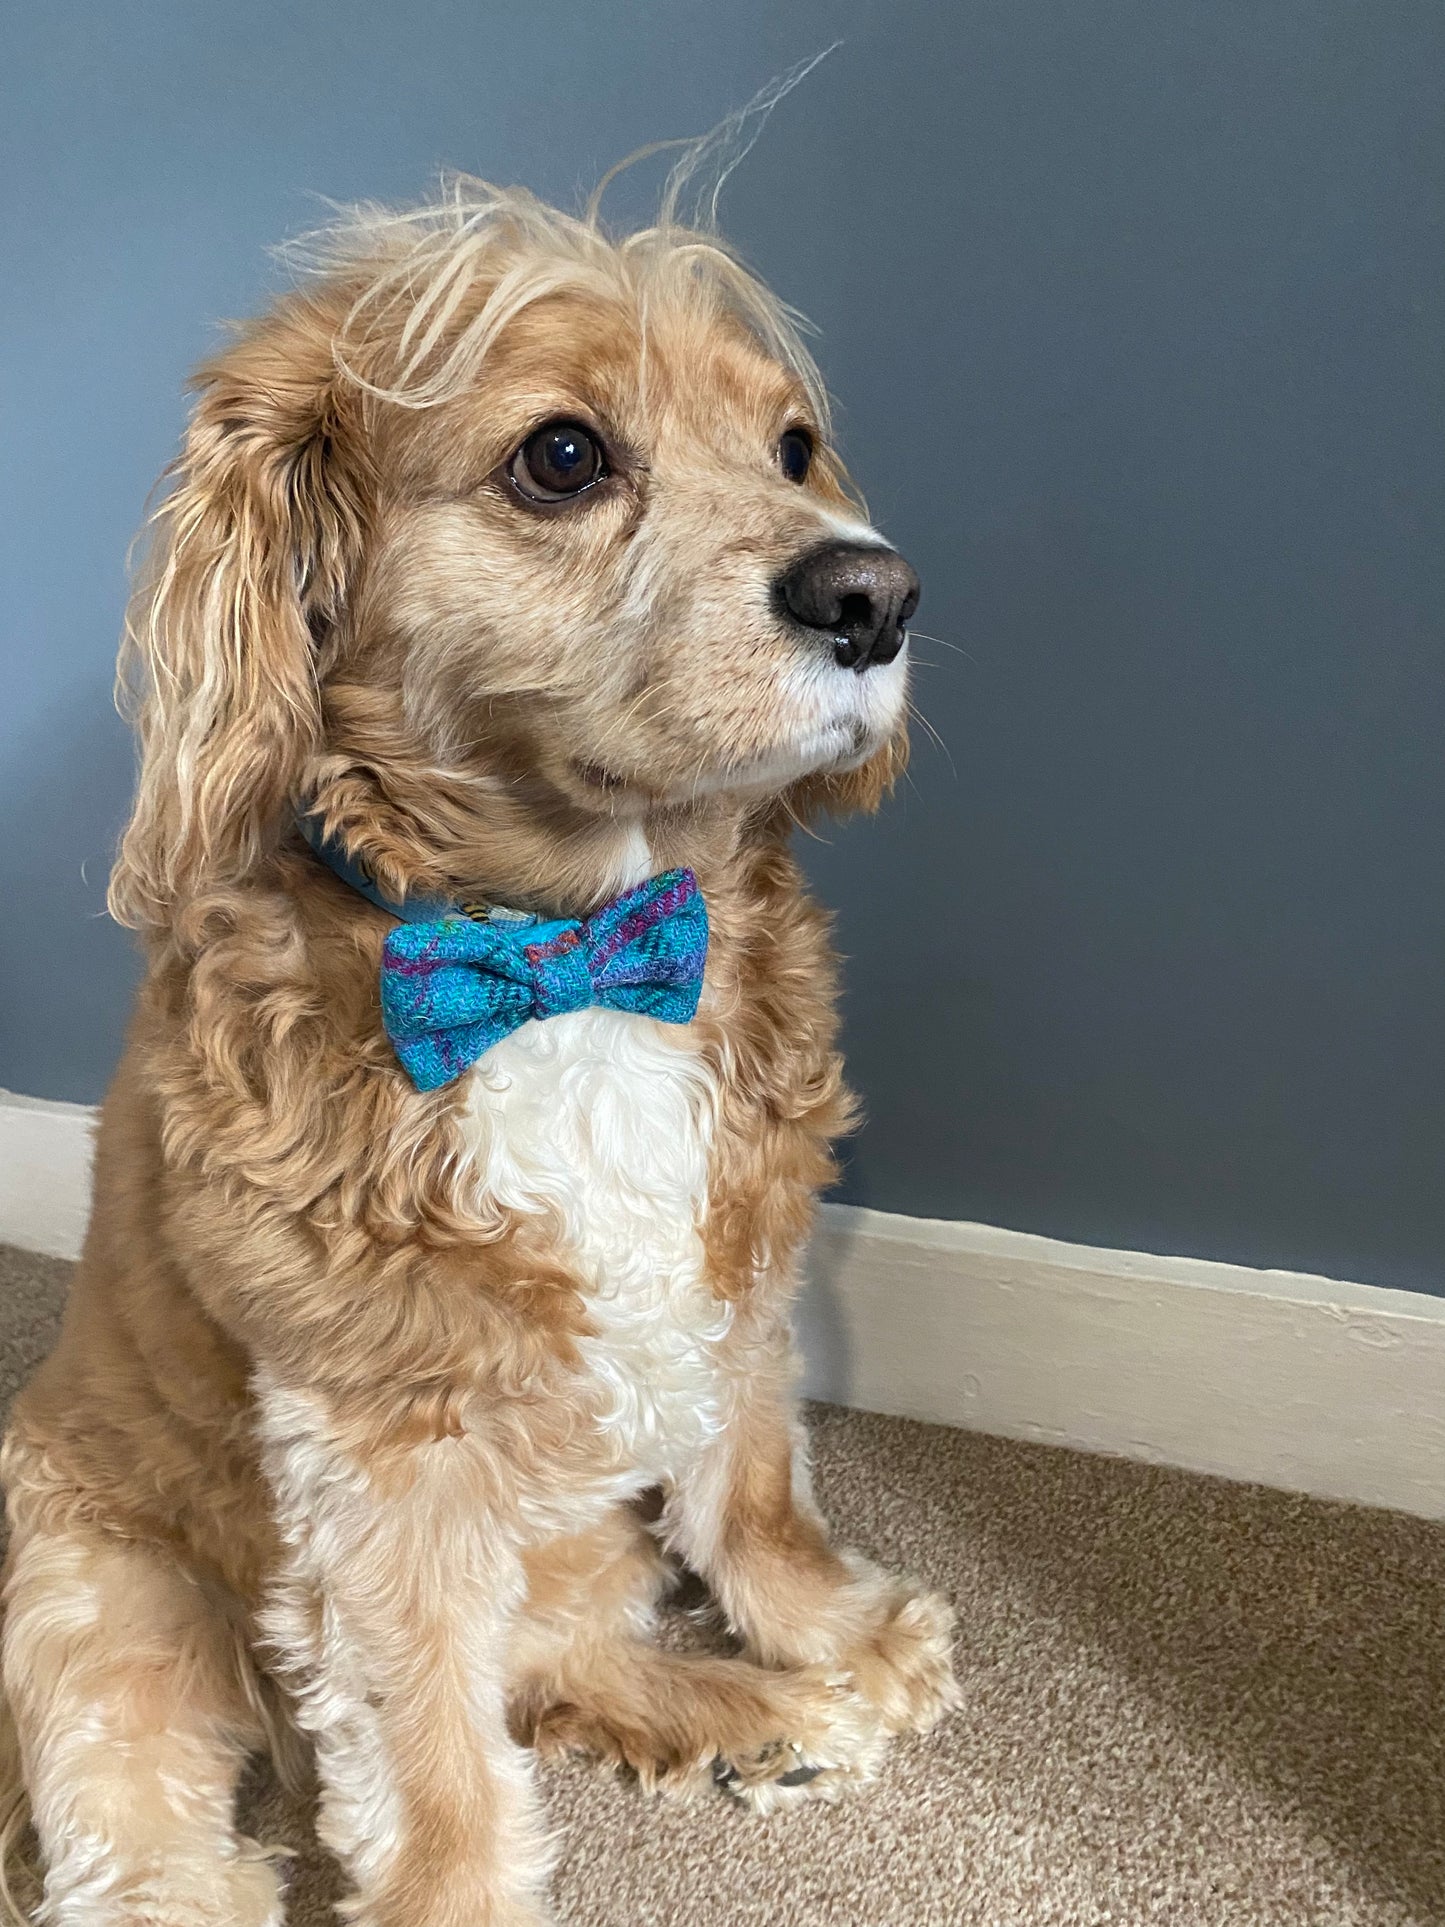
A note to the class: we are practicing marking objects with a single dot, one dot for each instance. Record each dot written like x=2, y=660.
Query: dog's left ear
x=856, y=791
x=254, y=552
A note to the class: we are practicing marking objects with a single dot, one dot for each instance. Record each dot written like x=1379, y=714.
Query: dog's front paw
x=903, y=1666
x=834, y=1742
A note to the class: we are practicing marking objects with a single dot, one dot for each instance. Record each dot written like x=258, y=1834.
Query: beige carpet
x=1186, y=1702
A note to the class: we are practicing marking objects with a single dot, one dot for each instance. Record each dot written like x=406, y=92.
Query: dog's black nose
x=859, y=597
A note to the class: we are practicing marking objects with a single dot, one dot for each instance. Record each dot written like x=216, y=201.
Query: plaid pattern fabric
x=451, y=988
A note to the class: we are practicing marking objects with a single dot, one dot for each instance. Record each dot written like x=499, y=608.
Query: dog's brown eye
x=560, y=460
x=795, y=454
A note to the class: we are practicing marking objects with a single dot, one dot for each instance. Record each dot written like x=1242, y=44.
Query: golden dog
x=515, y=556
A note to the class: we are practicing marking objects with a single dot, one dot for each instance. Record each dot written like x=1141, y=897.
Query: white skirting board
x=1296, y=1381
x=1276, y=1376
x=45, y=1151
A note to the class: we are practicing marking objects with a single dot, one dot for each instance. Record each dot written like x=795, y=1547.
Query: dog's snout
x=860, y=597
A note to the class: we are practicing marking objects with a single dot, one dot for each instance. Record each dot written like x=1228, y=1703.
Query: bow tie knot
x=563, y=981
x=451, y=988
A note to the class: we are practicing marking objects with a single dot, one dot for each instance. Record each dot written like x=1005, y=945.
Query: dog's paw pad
x=838, y=1754
x=732, y=1780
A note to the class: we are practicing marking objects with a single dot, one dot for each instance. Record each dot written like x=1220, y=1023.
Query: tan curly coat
x=380, y=1413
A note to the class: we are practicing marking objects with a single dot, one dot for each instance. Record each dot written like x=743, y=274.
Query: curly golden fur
x=386, y=1413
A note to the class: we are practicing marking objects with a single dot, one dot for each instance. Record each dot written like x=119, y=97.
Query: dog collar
x=351, y=870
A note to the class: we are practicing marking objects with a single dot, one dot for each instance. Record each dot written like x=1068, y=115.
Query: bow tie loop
x=452, y=988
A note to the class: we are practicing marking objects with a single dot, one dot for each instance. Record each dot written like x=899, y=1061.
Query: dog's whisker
x=927, y=727
x=943, y=643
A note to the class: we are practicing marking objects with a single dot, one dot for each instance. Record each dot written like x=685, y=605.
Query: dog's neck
x=549, y=861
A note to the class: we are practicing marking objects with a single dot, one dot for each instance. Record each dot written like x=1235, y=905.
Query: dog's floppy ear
x=252, y=553
x=861, y=789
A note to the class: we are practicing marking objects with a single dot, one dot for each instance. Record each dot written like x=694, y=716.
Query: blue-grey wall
x=1134, y=310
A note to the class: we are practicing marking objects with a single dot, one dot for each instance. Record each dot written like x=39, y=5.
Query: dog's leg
x=686, y=1721
x=746, y=1521
x=587, y=1679
x=133, y=1725
x=392, y=1618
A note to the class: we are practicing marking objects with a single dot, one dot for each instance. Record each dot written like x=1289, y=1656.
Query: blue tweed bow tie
x=453, y=985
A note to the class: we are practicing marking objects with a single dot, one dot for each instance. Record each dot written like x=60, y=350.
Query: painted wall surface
x=1134, y=311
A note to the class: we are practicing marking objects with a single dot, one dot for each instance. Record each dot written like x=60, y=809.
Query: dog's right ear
x=253, y=552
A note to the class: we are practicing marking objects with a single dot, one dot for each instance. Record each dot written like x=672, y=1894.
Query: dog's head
x=503, y=539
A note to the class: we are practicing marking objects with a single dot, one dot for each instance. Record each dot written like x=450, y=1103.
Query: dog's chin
x=834, y=750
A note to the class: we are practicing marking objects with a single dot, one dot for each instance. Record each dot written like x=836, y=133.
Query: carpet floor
x=1186, y=1702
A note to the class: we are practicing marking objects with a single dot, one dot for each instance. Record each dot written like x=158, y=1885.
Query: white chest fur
x=600, y=1124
